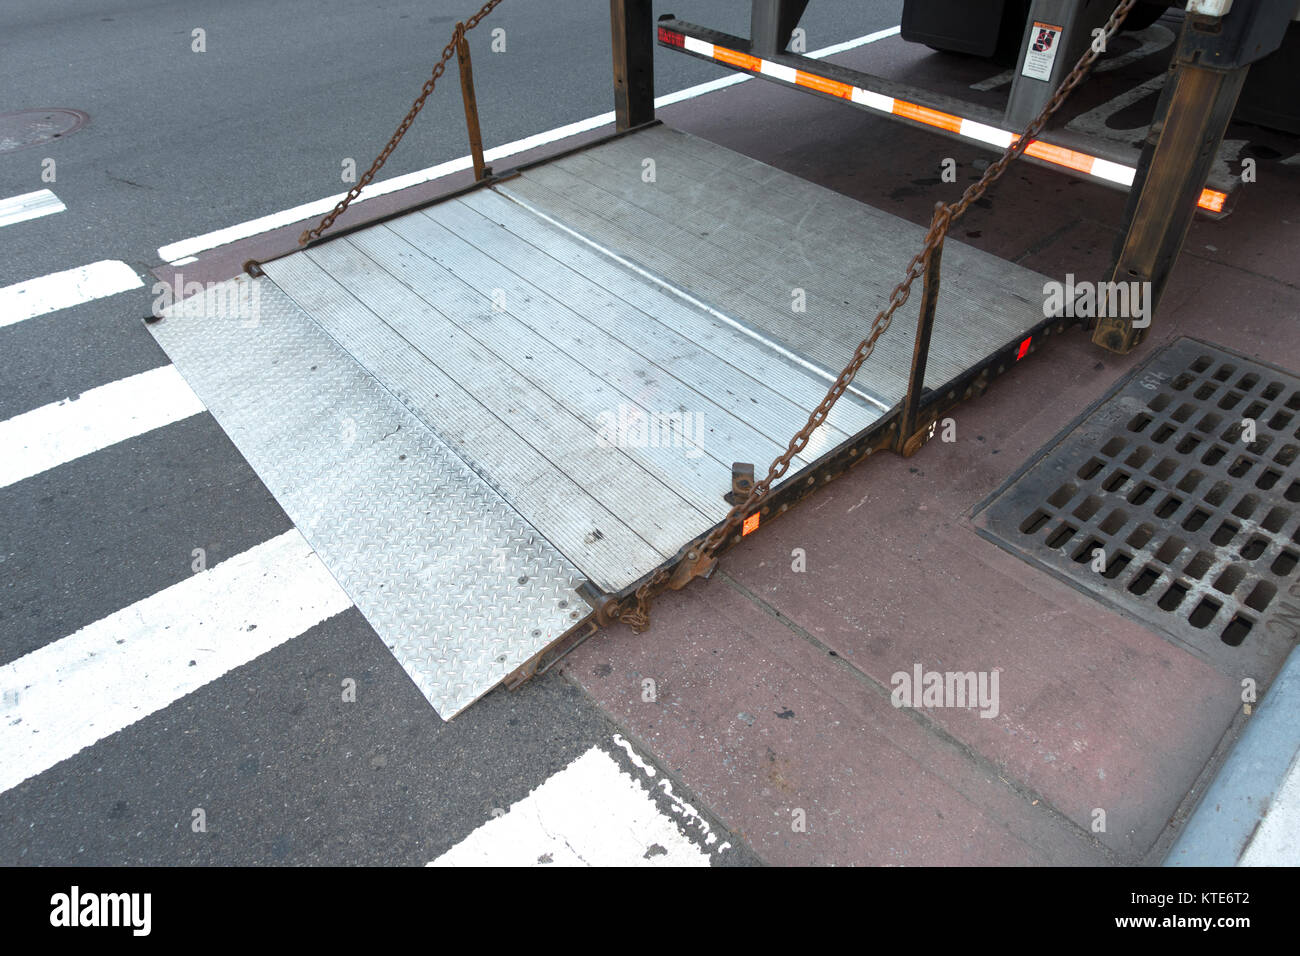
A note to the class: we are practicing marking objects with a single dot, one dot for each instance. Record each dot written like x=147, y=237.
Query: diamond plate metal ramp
x=459, y=586
x=1176, y=500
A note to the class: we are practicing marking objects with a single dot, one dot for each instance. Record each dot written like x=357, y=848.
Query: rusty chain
x=638, y=616
x=438, y=69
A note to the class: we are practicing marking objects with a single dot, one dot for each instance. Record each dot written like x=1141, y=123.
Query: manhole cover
x=33, y=127
x=1177, y=499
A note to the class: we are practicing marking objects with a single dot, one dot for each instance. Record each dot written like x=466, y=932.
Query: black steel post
x=770, y=24
x=1176, y=158
x=1208, y=71
x=633, y=39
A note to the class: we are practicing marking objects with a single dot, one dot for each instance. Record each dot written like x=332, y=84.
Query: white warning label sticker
x=1043, y=44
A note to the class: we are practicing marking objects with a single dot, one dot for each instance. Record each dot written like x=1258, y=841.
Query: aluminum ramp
x=473, y=408
x=742, y=236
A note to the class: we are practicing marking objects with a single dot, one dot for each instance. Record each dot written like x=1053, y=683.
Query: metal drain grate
x=1159, y=501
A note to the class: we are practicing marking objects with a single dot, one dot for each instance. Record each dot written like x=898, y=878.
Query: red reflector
x=671, y=36
x=1024, y=349
x=751, y=524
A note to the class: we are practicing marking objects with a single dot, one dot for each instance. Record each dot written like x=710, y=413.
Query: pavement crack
x=558, y=836
x=129, y=182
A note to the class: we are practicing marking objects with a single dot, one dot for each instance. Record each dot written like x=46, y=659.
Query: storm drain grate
x=1178, y=500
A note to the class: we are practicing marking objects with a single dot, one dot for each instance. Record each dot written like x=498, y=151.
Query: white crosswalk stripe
x=591, y=813
x=61, y=290
x=33, y=205
x=60, y=432
x=73, y=692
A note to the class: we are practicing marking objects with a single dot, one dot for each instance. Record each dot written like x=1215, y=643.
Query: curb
x=1244, y=792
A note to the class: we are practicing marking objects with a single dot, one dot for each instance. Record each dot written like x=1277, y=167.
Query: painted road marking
x=29, y=206
x=61, y=290
x=591, y=813
x=187, y=248
x=60, y=432
x=66, y=696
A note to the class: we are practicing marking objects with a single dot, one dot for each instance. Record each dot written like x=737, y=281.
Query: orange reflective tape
x=923, y=114
x=1212, y=200
x=751, y=524
x=823, y=85
x=1060, y=156
x=734, y=58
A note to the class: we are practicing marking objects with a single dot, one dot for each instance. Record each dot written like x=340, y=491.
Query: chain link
x=638, y=616
x=438, y=69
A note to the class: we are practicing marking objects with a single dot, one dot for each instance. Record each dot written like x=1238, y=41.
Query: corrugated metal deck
x=549, y=380
x=742, y=236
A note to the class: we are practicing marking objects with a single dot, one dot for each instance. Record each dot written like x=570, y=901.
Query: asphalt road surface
x=268, y=761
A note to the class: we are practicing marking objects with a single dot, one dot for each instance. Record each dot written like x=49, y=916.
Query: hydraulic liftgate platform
x=495, y=416
x=492, y=414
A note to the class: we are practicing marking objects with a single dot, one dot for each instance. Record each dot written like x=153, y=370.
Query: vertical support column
x=921, y=350
x=632, y=38
x=1176, y=159
x=1218, y=43
x=770, y=24
x=765, y=27
x=1056, y=33
x=471, y=105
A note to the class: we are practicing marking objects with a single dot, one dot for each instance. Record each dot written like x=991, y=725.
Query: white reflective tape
x=777, y=71
x=697, y=46
x=876, y=101
x=986, y=134
x=1114, y=172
